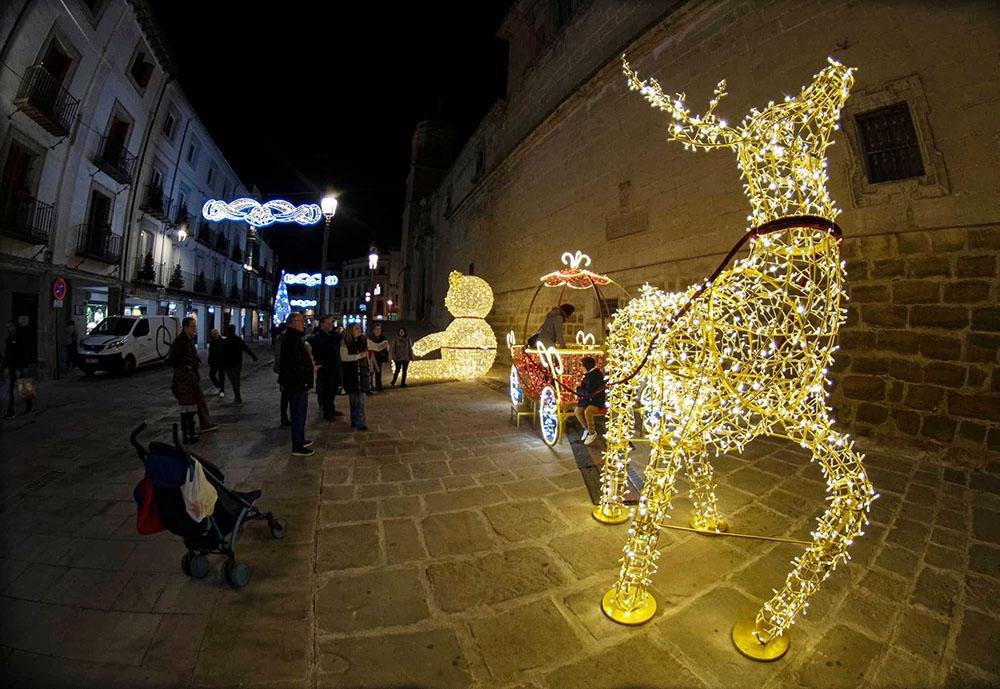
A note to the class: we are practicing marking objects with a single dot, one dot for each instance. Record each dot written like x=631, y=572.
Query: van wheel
x=128, y=366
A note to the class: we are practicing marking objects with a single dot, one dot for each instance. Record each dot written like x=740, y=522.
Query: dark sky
x=303, y=96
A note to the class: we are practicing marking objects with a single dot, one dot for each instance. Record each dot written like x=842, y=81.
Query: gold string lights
x=468, y=345
x=744, y=354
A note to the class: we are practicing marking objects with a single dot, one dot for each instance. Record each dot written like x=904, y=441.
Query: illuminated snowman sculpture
x=468, y=345
x=743, y=354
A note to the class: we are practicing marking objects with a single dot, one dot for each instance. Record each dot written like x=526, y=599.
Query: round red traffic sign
x=59, y=289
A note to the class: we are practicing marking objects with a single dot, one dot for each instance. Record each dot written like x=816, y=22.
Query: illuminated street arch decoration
x=257, y=215
x=743, y=354
x=304, y=303
x=310, y=279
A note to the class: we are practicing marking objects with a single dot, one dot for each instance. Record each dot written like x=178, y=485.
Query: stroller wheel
x=277, y=528
x=195, y=565
x=237, y=574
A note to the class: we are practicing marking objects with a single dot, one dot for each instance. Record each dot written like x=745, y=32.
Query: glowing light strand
x=256, y=214
x=747, y=354
x=310, y=279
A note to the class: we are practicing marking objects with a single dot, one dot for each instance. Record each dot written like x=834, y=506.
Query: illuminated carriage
x=544, y=379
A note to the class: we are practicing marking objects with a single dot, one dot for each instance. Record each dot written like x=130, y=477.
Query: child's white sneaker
x=583, y=437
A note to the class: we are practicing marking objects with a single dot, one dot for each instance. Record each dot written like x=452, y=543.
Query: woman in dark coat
x=187, y=383
x=354, y=362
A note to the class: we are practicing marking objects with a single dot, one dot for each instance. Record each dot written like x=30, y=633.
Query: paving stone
x=338, y=493
x=423, y=486
x=94, y=588
x=35, y=581
x=253, y=654
x=401, y=506
x=873, y=615
x=888, y=586
x=455, y=533
x=839, y=660
x=34, y=627
x=430, y=470
x=976, y=642
x=986, y=525
x=265, y=601
x=464, y=499
x=900, y=669
x=752, y=480
x=176, y=642
x=379, y=490
x=909, y=534
x=341, y=512
x=595, y=549
x=922, y=635
x=522, y=520
x=392, y=473
x=108, y=637
x=687, y=565
x=105, y=554
x=344, y=547
x=499, y=576
x=898, y=560
x=402, y=541
x=427, y=659
x=943, y=558
x=525, y=637
x=950, y=520
x=937, y=591
x=384, y=598
x=457, y=483
x=638, y=657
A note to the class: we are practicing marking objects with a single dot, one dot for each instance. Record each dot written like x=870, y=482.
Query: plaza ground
x=448, y=548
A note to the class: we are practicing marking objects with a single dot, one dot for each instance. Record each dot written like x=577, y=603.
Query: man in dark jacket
x=216, y=367
x=232, y=356
x=326, y=354
x=295, y=376
x=183, y=356
x=590, y=398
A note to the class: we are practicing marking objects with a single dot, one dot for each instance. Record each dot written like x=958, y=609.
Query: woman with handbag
x=187, y=383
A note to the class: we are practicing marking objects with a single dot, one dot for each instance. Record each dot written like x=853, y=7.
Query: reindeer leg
x=629, y=601
x=849, y=495
x=620, y=422
x=705, y=516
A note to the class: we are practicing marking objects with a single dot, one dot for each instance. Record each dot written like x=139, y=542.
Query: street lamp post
x=372, y=265
x=329, y=206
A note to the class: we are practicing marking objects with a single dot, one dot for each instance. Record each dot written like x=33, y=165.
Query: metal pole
x=322, y=269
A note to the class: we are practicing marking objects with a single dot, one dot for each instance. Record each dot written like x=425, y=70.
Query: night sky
x=307, y=96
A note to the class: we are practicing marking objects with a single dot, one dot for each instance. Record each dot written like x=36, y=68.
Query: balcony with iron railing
x=155, y=203
x=115, y=160
x=206, y=235
x=44, y=100
x=150, y=272
x=96, y=241
x=25, y=218
x=222, y=244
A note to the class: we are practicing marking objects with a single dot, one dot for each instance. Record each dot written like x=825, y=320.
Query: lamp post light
x=329, y=206
x=372, y=265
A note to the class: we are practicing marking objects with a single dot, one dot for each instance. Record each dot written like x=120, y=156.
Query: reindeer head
x=781, y=151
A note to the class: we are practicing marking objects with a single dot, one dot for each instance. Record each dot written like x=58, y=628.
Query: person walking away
x=233, y=348
x=216, y=369
x=296, y=379
x=326, y=354
x=354, y=362
x=183, y=356
x=15, y=359
x=551, y=332
x=72, y=342
x=590, y=398
x=378, y=344
x=402, y=354
x=276, y=350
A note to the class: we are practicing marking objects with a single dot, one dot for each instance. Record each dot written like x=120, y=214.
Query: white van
x=121, y=343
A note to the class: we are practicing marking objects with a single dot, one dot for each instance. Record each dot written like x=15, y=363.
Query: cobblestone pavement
x=447, y=548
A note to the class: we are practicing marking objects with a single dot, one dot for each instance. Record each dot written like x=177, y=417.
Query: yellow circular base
x=707, y=527
x=610, y=515
x=637, y=615
x=747, y=644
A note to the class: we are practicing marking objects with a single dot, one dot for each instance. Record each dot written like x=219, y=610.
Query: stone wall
x=598, y=174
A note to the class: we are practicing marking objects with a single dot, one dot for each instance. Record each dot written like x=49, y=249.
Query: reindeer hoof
x=635, y=615
x=747, y=644
x=610, y=514
x=708, y=526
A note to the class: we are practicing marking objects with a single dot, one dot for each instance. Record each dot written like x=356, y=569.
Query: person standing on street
x=216, y=371
x=378, y=345
x=402, y=354
x=296, y=379
x=186, y=386
x=14, y=360
x=326, y=353
x=276, y=350
x=232, y=356
x=354, y=358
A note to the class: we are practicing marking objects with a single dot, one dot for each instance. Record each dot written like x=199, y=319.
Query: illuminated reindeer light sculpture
x=741, y=355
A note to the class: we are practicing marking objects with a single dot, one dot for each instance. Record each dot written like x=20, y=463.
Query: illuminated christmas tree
x=281, y=306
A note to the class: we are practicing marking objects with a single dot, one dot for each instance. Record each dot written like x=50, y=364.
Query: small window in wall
x=192, y=152
x=889, y=143
x=169, y=126
x=211, y=175
x=141, y=70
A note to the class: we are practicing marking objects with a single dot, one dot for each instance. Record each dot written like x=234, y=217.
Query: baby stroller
x=167, y=468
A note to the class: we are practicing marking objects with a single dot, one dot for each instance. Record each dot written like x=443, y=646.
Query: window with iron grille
x=890, y=144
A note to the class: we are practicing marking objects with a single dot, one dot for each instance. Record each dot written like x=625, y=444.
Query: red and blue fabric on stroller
x=167, y=469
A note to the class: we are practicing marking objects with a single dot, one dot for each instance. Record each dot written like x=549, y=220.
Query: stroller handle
x=134, y=437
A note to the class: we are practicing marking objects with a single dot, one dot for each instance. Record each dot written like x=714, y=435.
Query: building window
x=211, y=175
x=141, y=69
x=889, y=143
x=192, y=153
x=169, y=126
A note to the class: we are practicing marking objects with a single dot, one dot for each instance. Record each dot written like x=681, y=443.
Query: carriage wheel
x=548, y=415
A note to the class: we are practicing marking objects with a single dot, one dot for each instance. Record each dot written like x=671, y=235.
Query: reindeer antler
x=696, y=131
